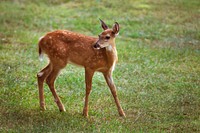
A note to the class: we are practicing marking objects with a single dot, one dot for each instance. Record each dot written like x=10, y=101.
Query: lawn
x=157, y=76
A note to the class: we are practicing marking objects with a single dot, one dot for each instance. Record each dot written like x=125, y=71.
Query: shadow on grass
x=34, y=120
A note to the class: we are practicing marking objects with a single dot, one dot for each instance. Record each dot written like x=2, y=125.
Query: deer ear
x=116, y=28
x=103, y=25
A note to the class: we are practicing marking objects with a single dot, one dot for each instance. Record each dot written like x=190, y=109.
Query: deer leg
x=109, y=80
x=88, y=81
x=41, y=76
x=50, y=81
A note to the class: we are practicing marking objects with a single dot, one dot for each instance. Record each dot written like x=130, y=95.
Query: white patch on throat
x=109, y=48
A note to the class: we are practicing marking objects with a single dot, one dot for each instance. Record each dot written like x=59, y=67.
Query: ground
x=157, y=76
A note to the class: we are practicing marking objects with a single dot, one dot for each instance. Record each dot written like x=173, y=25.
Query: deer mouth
x=96, y=46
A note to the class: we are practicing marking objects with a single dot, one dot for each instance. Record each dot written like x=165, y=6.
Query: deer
x=95, y=54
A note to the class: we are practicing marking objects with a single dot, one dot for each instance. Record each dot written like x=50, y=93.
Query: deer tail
x=40, y=50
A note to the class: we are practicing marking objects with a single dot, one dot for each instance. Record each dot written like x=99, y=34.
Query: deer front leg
x=109, y=80
x=88, y=81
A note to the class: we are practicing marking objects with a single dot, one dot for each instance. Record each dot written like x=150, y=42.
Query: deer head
x=107, y=37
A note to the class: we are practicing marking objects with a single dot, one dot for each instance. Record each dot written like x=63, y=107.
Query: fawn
x=94, y=54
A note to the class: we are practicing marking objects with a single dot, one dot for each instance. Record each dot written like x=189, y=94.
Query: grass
x=157, y=76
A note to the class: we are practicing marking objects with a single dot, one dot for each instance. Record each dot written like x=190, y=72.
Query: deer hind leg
x=50, y=80
x=41, y=76
x=109, y=80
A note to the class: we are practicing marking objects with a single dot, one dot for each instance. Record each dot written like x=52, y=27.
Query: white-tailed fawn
x=94, y=54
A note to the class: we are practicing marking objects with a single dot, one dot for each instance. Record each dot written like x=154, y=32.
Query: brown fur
x=63, y=47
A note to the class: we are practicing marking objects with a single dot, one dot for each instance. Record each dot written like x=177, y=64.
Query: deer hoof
x=43, y=108
x=122, y=114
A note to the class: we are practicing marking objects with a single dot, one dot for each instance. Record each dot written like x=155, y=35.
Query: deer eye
x=107, y=37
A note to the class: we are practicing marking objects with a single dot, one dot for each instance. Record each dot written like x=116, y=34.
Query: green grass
x=157, y=76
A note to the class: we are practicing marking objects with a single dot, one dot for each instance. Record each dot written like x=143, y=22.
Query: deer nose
x=96, y=46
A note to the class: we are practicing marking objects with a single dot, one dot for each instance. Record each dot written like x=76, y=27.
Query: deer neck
x=111, y=55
